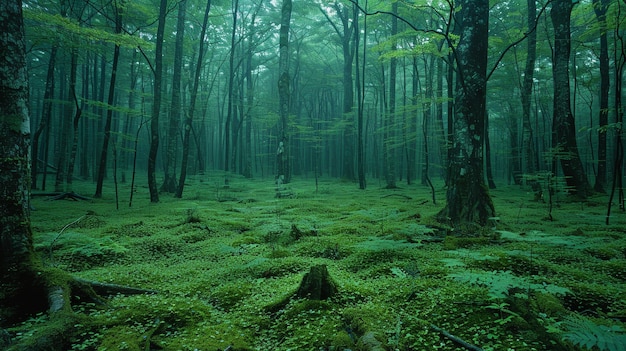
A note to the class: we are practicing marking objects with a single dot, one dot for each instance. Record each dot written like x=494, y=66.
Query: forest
x=313, y=175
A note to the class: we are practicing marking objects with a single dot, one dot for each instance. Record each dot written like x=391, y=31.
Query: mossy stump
x=317, y=284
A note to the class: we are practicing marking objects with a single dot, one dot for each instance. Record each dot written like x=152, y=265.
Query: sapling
x=61, y=232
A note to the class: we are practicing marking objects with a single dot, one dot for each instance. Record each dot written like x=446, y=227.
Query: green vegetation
x=220, y=267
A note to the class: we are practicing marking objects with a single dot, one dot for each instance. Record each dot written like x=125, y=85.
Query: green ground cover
x=221, y=259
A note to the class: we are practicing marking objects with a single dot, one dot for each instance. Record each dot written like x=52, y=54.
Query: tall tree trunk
x=468, y=199
x=65, y=123
x=348, y=50
x=192, y=104
x=360, y=88
x=600, y=7
x=564, y=129
x=389, y=150
x=169, y=180
x=282, y=156
x=156, y=104
x=426, y=117
x=110, y=101
x=18, y=275
x=528, y=144
x=488, y=168
x=126, y=140
x=77, y=114
x=46, y=112
x=231, y=80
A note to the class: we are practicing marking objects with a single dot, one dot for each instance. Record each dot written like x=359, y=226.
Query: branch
x=513, y=44
x=456, y=339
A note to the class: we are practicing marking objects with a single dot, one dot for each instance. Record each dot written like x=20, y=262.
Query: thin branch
x=515, y=43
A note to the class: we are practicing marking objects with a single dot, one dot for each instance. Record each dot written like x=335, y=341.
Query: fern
x=499, y=283
x=589, y=335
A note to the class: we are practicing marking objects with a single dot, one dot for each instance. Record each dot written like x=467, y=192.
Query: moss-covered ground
x=222, y=258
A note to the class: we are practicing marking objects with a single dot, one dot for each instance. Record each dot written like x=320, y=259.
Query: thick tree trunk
x=564, y=133
x=18, y=276
x=468, y=199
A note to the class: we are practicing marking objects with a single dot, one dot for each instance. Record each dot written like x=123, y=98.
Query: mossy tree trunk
x=20, y=289
x=564, y=126
x=468, y=199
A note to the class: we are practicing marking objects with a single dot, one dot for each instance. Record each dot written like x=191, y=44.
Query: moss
x=453, y=242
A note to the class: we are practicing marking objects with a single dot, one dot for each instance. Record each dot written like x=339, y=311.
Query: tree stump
x=317, y=284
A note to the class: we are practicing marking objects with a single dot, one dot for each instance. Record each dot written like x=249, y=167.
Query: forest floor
x=222, y=259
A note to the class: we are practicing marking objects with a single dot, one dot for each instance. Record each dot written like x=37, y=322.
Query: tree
x=110, y=100
x=528, y=146
x=169, y=181
x=600, y=7
x=563, y=127
x=156, y=104
x=282, y=157
x=389, y=149
x=468, y=199
x=345, y=35
x=16, y=241
x=192, y=104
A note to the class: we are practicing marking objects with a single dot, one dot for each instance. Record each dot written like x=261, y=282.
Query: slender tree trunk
x=348, y=50
x=600, y=7
x=282, y=157
x=77, y=114
x=156, y=104
x=126, y=144
x=44, y=123
x=110, y=102
x=389, y=142
x=488, y=168
x=65, y=124
x=564, y=133
x=528, y=144
x=468, y=199
x=192, y=104
x=360, y=88
x=231, y=79
x=169, y=181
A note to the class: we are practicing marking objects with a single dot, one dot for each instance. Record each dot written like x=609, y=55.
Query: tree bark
x=284, y=93
x=564, y=130
x=528, y=146
x=468, y=199
x=18, y=276
x=360, y=90
x=600, y=7
x=389, y=150
x=156, y=104
x=169, y=179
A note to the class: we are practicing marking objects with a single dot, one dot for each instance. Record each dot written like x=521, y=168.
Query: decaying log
x=107, y=289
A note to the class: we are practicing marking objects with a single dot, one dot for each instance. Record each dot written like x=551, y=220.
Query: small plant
x=587, y=334
x=192, y=216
